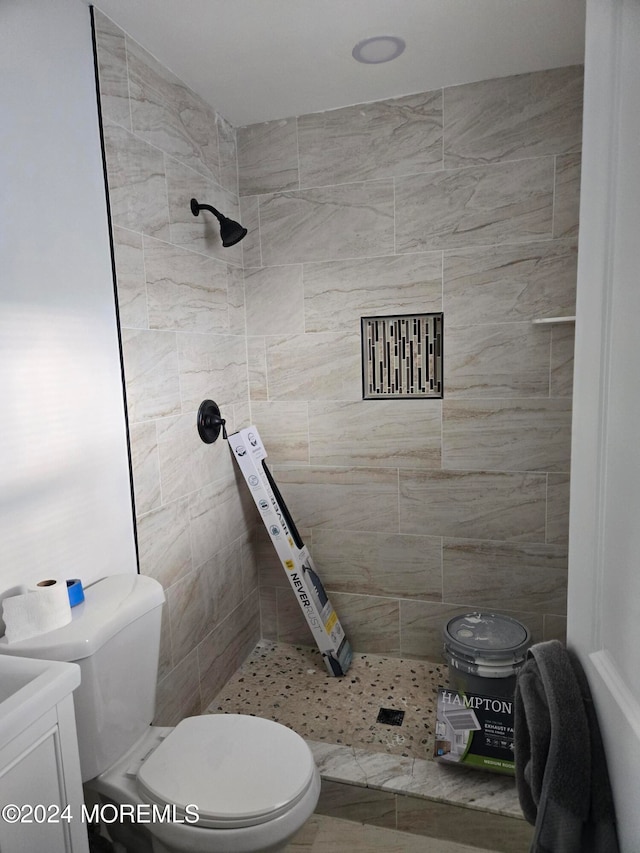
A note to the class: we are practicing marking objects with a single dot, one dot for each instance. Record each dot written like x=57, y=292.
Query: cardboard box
x=249, y=453
x=474, y=731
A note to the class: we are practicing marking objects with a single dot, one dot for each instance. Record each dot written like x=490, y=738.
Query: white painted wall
x=65, y=501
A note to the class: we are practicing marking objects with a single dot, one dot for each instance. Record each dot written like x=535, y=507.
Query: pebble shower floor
x=289, y=684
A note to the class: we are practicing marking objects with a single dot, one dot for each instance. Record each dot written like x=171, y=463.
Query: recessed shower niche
x=402, y=356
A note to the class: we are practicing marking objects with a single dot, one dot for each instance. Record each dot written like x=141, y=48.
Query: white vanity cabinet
x=40, y=782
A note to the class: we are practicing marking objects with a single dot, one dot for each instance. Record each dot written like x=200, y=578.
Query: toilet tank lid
x=109, y=605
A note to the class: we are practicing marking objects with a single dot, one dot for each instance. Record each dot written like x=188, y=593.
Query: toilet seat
x=205, y=759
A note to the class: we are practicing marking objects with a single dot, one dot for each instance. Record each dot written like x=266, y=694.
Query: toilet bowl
x=250, y=783
x=217, y=783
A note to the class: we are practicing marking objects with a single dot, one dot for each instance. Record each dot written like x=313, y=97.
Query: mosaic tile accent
x=402, y=356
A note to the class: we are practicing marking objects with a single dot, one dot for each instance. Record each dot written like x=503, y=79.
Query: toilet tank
x=114, y=636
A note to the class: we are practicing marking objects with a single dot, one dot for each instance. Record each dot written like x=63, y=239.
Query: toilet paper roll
x=43, y=607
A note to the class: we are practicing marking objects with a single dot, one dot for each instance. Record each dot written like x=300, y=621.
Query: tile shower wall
x=181, y=304
x=464, y=201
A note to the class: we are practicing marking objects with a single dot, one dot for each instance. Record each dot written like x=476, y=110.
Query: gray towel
x=561, y=770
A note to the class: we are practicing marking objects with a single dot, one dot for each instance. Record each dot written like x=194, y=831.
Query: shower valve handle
x=210, y=422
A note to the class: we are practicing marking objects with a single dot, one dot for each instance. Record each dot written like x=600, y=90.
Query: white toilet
x=249, y=783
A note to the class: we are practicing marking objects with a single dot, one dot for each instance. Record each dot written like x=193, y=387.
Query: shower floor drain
x=390, y=717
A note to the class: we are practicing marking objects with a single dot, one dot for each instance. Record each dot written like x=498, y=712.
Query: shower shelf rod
x=555, y=320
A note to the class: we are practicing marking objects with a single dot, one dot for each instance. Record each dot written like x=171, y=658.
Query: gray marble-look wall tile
x=341, y=498
x=275, y=300
x=357, y=803
x=112, y=68
x=478, y=205
x=200, y=233
x=204, y=598
x=292, y=625
x=212, y=367
x=527, y=434
x=235, y=301
x=457, y=825
x=137, y=183
x=555, y=627
x=391, y=565
x=558, y=509
x=146, y=466
x=497, y=360
x=367, y=433
x=185, y=291
x=250, y=218
x=510, y=283
x=372, y=624
x=338, y=293
x=516, y=287
x=186, y=462
x=314, y=367
x=250, y=570
x=345, y=221
x=284, y=429
x=482, y=504
x=164, y=543
x=566, y=204
x=223, y=574
x=220, y=513
x=321, y=834
x=421, y=625
x=268, y=613
x=178, y=693
x=510, y=118
x=304, y=839
x=257, y=368
x=151, y=374
x=268, y=157
x=399, y=136
x=131, y=288
x=200, y=152
x=562, y=350
x=167, y=114
x=498, y=575
x=225, y=648
x=164, y=657
x=189, y=613
x=239, y=416
x=227, y=155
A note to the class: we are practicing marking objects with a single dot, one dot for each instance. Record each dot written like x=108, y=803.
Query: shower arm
x=196, y=207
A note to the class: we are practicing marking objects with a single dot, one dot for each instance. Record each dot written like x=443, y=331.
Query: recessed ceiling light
x=378, y=49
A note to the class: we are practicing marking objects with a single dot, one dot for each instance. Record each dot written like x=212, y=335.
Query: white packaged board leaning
x=249, y=453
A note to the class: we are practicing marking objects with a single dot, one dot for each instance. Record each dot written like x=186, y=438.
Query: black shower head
x=231, y=232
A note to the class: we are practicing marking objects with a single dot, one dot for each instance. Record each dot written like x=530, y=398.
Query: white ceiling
x=257, y=60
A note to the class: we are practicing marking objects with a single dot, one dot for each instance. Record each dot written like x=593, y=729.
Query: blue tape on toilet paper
x=76, y=592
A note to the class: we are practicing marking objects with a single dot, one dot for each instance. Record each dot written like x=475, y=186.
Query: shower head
x=231, y=232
